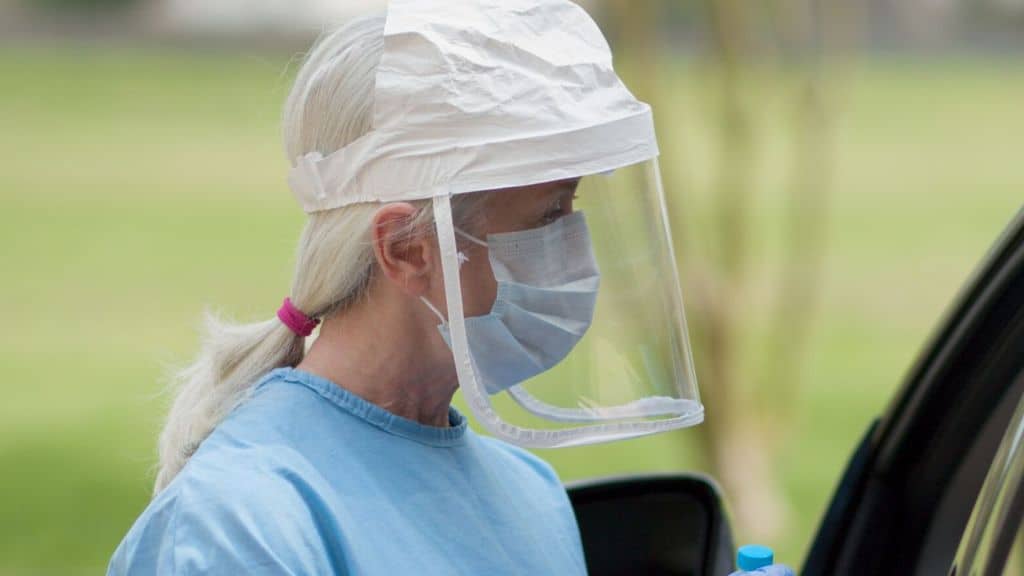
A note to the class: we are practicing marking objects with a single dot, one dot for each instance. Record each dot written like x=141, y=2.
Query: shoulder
x=547, y=502
x=243, y=512
x=523, y=460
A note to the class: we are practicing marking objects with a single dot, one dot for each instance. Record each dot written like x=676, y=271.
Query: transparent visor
x=564, y=311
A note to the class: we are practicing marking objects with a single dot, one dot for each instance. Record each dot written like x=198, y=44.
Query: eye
x=552, y=215
x=561, y=206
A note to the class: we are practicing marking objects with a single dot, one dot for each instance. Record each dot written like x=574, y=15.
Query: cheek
x=479, y=288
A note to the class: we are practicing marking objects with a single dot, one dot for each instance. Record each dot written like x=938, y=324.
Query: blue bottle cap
x=754, y=556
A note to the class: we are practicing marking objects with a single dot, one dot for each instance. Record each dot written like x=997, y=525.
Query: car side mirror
x=653, y=524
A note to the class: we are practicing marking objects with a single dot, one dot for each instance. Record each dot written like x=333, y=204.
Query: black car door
x=906, y=496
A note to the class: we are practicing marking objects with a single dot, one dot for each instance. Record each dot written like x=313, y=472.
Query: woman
x=439, y=152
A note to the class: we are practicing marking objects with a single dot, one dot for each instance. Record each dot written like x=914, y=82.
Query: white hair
x=330, y=105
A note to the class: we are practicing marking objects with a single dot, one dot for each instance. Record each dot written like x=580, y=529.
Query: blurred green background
x=143, y=178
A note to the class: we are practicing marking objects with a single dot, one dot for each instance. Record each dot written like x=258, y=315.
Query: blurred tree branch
x=739, y=443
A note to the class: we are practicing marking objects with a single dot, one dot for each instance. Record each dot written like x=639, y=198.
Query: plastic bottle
x=754, y=556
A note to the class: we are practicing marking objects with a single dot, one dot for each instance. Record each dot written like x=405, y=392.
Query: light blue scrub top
x=307, y=478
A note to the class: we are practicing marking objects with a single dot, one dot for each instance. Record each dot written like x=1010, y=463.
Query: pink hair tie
x=295, y=320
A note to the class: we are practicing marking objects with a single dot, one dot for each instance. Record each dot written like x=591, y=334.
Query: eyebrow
x=559, y=190
x=566, y=185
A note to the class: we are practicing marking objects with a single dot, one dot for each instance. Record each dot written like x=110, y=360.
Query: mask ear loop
x=434, y=309
x=471, y=238
x=462, y=260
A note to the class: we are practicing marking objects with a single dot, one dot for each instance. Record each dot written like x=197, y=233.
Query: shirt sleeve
x=258, y=526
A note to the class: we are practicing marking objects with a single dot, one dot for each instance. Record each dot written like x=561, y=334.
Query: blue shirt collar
x=452, y=435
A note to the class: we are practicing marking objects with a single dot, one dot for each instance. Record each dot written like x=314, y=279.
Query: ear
x=403, y=255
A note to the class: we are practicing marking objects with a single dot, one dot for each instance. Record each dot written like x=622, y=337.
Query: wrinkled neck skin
x=387, y=350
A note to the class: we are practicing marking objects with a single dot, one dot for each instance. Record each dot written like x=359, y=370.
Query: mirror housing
x=665, y=524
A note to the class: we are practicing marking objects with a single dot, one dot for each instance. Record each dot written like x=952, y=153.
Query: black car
x=936, y=487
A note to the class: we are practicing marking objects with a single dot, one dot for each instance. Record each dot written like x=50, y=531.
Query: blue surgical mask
x=547, y=289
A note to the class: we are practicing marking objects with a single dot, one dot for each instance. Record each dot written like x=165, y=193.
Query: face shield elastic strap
x=477, y=397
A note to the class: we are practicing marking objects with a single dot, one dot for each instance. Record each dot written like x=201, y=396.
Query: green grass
x=141, y=185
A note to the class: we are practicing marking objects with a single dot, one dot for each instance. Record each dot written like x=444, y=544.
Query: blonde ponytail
x=330, y=104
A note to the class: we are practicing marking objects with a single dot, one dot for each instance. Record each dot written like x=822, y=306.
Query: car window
x=991, y=543
x=1015, y=563
x=954, y=509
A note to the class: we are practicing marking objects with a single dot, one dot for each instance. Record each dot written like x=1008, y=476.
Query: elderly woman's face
x=509, y=210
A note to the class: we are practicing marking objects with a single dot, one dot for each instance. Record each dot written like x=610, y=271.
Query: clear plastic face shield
x=586, y=339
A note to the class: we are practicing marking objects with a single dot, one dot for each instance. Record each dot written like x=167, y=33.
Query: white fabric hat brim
x=372, y=169
x=482, y=95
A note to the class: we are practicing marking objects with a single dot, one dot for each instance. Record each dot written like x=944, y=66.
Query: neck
x=376, y=351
